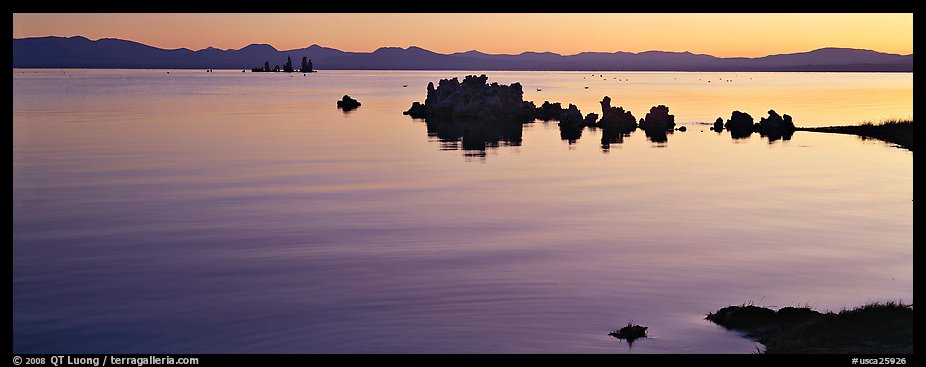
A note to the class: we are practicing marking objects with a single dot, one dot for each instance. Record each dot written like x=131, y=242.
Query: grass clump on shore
x=899, y=132
x=872, y=328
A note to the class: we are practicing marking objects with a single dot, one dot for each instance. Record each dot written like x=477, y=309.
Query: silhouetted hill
x=80, y=52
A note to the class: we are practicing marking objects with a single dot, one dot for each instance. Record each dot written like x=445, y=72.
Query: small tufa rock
x=415, y=111
x=346, y=103
x=630, y=332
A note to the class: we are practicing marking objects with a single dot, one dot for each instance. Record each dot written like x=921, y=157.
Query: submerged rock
x=346, y=103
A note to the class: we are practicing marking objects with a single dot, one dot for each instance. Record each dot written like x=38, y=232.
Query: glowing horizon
x=755, y=35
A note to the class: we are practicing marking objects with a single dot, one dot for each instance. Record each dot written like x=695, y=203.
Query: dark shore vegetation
x=872, y=328
x=899, y=132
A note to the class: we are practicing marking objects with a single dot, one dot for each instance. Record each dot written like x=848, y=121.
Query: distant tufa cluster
x=287, y=68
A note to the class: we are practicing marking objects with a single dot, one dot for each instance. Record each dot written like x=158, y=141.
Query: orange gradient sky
x=724, y=35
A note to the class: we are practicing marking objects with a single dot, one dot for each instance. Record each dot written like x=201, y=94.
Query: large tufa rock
x=346, y=103
x=658, y=118
x=615, y=118
x=774, y=122
x=739, y=122
x=474, y=98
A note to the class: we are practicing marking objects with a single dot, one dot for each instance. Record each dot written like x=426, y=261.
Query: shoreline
x=872, y=328
x=897, y=132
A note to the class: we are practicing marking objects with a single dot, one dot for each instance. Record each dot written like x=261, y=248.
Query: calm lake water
x=229, y=212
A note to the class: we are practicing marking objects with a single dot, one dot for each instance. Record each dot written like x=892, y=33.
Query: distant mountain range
x=80, y=52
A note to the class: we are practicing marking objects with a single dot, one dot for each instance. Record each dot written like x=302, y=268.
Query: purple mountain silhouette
x=80, y=52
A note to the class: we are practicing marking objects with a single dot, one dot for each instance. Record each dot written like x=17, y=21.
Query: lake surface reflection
x=232, y=212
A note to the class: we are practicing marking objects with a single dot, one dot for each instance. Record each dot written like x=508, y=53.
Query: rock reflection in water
x=774, y=135
x=658, y=136
x=612, y=136
x=474, y=136
x=570, y=134
x=737, y=134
